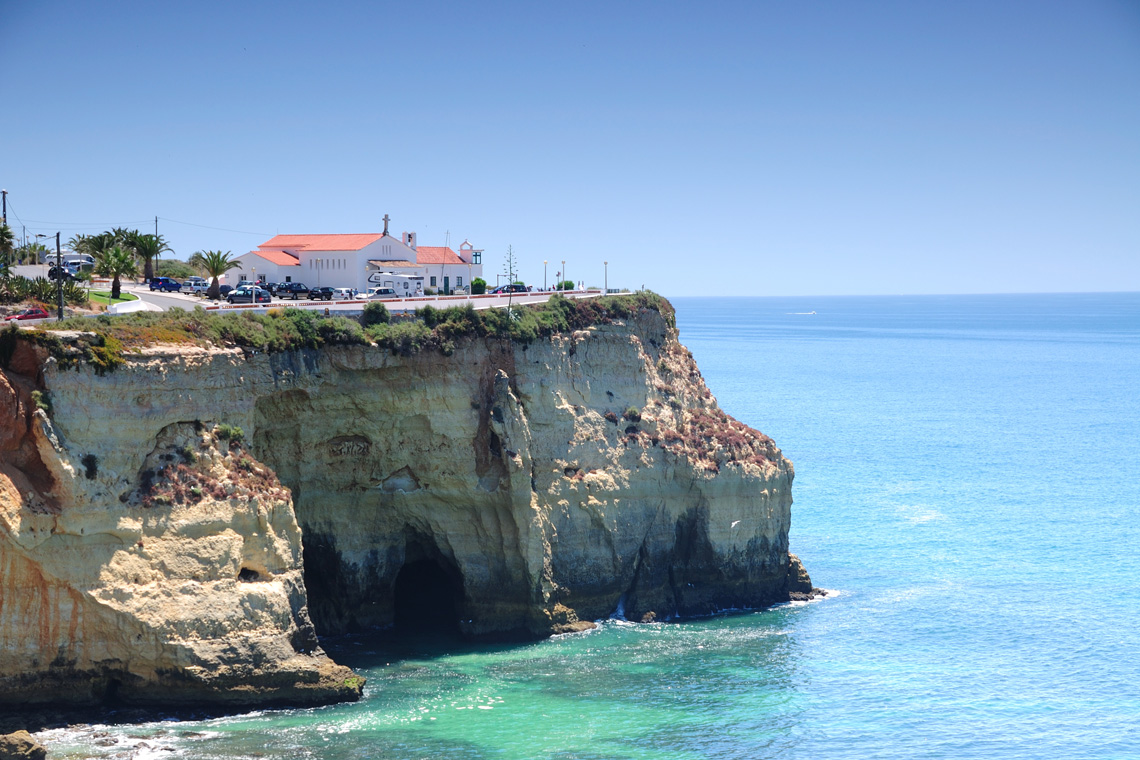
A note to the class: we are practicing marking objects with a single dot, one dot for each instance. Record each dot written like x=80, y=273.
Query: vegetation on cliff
x=103, y=341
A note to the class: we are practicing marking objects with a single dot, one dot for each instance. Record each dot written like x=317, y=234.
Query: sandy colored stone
x=511, y=466
x=21, y=746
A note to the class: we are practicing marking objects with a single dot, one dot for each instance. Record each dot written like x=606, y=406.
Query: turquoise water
x=968, y=482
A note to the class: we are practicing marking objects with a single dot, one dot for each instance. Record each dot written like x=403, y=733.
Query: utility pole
x=59, y=275
x=5, y=210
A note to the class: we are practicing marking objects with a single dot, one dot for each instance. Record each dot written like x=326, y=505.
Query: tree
x=214, y=264
x=148, y=248
x=94, y=245
x=115, y=263
x=7, y=239
x=478, y=286
x=179, y=270
x=510, y=264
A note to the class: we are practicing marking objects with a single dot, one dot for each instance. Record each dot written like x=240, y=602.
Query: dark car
x=33, y=313
x=321, y=294
x=514, y=287
x=271, y=287
x=249, y=294
x=165, y=284
x=54, y=274
x=225, y=290
x=293, y=290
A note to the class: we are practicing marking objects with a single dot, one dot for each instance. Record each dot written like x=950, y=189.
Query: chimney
x=410, y=240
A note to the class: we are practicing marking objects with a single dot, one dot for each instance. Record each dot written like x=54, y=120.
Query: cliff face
x=156, y=570
x=506, y=489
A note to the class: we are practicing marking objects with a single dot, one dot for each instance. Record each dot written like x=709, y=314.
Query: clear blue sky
x=768, y=148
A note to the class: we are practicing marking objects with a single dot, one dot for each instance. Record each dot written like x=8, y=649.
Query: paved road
x=170, y=300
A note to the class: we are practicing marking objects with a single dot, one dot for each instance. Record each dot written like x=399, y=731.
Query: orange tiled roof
x=280, y=258
x=429, y=254
x=393, y=263
x=322, y=242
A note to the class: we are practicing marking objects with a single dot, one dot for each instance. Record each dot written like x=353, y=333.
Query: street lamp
x=58, y=272
x=606, y=264
x=563, y=275
x=318, y=273
x=544, y=274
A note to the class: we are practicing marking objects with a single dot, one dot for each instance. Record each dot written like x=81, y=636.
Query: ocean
x=967, y=487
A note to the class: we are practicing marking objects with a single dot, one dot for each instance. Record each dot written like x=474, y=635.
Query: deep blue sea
x=968, y=486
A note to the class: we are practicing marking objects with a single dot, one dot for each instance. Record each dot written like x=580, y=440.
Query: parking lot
x=488, y=301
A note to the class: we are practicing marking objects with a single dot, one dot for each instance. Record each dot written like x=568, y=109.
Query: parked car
x=165, y=284
x=382, y=293
x=249, y=294
x=321, y=294
x=293, y=290
x=195, y=285
x=225, y=290
x=33, y=313
x=514, y=287
x=272, y=287
x=343, y=294
x=55, y=273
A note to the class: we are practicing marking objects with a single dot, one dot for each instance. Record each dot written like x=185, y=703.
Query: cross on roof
x=386, y=220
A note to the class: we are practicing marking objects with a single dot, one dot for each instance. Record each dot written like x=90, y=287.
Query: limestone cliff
x=509, y=489
x=175, y=582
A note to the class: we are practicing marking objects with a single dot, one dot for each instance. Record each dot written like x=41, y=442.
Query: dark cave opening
x=428, y=598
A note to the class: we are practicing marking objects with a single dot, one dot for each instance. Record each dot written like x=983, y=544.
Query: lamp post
x=253, y=270
x=318, y=273
x=563, y=275
x=58, y=272
x=606, y=264
x=544, y=274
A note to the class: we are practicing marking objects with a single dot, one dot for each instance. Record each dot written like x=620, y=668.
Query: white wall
x=266, y=270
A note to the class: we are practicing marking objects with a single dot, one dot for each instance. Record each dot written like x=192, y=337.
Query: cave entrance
x=428, y=597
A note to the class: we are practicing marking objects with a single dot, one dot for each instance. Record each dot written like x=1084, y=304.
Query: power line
x=87, y=224
x=220, y=229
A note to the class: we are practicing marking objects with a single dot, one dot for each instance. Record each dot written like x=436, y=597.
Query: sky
x=751, y=148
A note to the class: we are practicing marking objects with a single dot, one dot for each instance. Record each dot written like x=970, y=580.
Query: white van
x=80, y=260
x=404, y=284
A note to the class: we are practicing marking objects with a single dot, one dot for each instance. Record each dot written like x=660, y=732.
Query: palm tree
x=214, y=264
x=94, y=245
x=6, y=241
x=147, y=248
x=115, y=263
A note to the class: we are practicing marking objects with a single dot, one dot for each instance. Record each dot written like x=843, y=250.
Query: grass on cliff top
x=289, y=329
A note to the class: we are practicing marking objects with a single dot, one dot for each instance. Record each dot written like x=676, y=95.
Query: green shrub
x=231, y=433
x=405, y=338
x=105, y=340
x=633, y=414
x=179, y=270
x=375, y=313
x=42, y=400
x=478, y=286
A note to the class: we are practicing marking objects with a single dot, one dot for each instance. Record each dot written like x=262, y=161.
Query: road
x=167, y=301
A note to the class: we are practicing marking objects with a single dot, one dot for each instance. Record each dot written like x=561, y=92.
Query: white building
x=360, y=260
x=267, y=265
